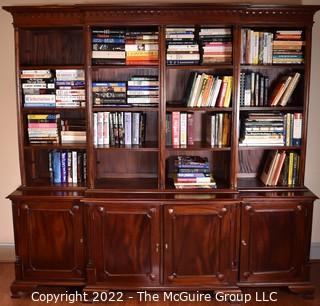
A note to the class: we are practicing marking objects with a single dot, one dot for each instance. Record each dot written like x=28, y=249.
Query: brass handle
x=243, y=243
x=166, y=246
x=157, y=247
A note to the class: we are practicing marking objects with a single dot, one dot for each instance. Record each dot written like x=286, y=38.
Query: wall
x=10, y=178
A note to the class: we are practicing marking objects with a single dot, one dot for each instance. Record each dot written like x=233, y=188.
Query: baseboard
x=7, y=253
x=315, y=250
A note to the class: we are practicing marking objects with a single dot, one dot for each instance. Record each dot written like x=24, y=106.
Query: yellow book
x=37, y=116
x=227, y=100
x=226, y=130
x=290, y=170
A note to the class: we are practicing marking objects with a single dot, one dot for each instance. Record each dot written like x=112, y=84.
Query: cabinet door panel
x=127, y=240
x=198, y=244
x=274, y=241
x=51, y=236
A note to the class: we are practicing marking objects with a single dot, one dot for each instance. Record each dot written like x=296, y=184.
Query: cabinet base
x=306, y=291
x=20, y=289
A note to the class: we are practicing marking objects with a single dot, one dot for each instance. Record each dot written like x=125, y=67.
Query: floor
x=284, y=298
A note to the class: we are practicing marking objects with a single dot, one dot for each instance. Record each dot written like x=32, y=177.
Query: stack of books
x=218, y=130
x=179, y=129
x=284, y=89
x=193, y=172
x=216, y=45
x=116, y=129
x=281, y=168
x=108, y=46
x=43, y=128
x=253, y=89
x=109, y=93
x=141, y=47
x=182, y=47
x=263, y=129
x=256, y=47
x=70, y=91
x=38, y=88
x=73, y=131
x=206, y=90
x=287, y=47
x=67, y=167
x=143, y=91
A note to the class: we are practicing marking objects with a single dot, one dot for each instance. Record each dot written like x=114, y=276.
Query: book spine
x=64, y=167
x=70, y=167
x=127, y=128
x=169, y=129
x=74, y=167
x=183, y=129
x=56, y=165
x=95, y=129
x=175, y=128
x=106, y=125
x=100, y=129
x=297, y=129
x=190, y=123
x=135, y=128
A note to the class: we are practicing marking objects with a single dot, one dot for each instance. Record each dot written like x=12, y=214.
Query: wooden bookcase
x=127, y=227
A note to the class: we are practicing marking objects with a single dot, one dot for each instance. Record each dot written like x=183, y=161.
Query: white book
x=127, y=128
x=141, y=47
x=70, y=167
x=109, y=54
x=106, y=128
x=183, y=129
x=95, y=129
x=177, y=57
x=74, y=167
x=39, y=98
x=100, y=128
x=215, y=92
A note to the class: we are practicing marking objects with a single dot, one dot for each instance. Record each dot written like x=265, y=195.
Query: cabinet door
x=125, y=244
x=51, y=240
x=198, y=244
x=275, y=240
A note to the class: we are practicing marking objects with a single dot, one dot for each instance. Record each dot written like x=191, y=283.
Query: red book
x=176, y=129
x=222, y=92
x=278, y=168
x=190, y=123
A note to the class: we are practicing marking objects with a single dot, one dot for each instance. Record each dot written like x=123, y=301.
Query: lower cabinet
x=49, y=240
x=124, y=244
x=200, y=244
x=275, y=240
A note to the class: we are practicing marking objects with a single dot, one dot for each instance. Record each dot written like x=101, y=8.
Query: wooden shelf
x=124, y=109
x=56, y=147
x=272, y=66
x=243, y=148
x=46, y=184
x=51, y=109
x=198, y=146
x=50, y=67
x=127, y=183
x=183, y=108
x=272, y=108
x=200, y=67
x=97, y=67
x=149, y=146
x=254, y=183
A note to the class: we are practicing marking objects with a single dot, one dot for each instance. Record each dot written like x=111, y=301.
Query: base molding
x=7, y=252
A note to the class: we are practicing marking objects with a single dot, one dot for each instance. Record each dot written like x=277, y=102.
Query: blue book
x=107, y=84
x=64, y=167
x=56, y=167
x=108, y=40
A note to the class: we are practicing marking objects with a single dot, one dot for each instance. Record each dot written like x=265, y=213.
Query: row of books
x=216, y=45
x=137, y=91
x=205, y=90
x=284, y=89
x=271, y=129
x=282, y=47
x=179, y=129
x=253, y=89
x=116, y=129
x=193, y=172
x=185, y=46
x=287, y=47
x=68, y=167
x=182, y=47
x=218, y=130
x=50, y=129
x=281, y=168
x=59, y=88
x=125, y=46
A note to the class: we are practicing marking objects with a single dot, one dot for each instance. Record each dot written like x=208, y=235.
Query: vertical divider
x=235, y=106
x=162, y=110
x=91, y=171
x=307, y=72
x=20, y=119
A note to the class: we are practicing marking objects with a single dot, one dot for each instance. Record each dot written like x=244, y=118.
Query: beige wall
x=9, y=163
